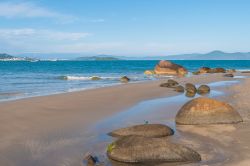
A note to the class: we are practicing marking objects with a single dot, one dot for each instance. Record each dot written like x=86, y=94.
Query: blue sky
x=124, y=27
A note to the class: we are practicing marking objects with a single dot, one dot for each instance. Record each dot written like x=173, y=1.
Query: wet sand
x=60, y=129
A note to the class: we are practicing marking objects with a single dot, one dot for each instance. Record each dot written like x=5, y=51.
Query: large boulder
x=207, y=111
x=146, y=130
x=137, y=149
x=169, y=68
x=203, y=89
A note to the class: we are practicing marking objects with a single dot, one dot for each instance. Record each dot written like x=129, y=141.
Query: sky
x=124, y=27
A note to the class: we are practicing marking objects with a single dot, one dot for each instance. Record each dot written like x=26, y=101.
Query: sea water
x=20, y=79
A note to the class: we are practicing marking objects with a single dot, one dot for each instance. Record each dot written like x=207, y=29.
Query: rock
x=173, y=82
x=189, y=94
x=90, y=160
x=217, y=70
x=245, y=72
x=190, y=88
x=146, y=130
x=203, y=89
x=170, y=84
x=204, y=70
x=169, y=68
x=229, y=75
x=231, y=71
x=138, y=149
x=149, y=72
x=95, y=78
x=207, y=111
x=179, y=89
x=124, y=79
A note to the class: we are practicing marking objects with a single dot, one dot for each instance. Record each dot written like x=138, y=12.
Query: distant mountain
x=214, y=55
x=98, y=58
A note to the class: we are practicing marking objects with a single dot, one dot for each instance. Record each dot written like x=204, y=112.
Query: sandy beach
x=57, y=129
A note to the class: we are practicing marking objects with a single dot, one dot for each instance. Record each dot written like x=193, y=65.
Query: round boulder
x=137, y=149
x=179, y=89
x=146, y=130
x=124, y=79
x=169, y=68
x=203, y=89
x=189, y=94
x=204, y=110
x=190, y=88
x=170, y=84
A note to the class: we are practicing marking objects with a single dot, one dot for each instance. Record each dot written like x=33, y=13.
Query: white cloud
x=30, y=10
x=29, y=34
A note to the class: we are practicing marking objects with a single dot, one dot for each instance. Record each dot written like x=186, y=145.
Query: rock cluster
x=169, y=68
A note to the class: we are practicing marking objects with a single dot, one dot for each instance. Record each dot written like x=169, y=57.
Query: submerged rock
x=90, y=160
x=207, y=111
x=203, y=89
x=95, y=78
x=124, y=79
x=179, y=89
x=169, y=68
x=137, y=149
x=146, y=130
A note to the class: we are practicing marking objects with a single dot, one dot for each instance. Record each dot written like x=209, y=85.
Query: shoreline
x=52, y=124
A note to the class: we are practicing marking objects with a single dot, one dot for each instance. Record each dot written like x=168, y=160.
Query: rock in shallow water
x=203, y=89
x=137, y=149
x=179, y=89
x=146, y=130
x=207, y=111
x=190, y=88
x=124, y=79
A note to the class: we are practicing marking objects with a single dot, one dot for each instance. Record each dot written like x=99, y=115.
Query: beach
x=60, y=129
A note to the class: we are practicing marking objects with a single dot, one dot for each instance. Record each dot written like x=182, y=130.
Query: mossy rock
x=138, y=149
x=95, y=78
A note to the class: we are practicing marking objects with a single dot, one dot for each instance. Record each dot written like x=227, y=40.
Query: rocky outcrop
x=204, y=70
x=217, y=70
x=207, y=111
x=124, y=79
x=137, y=149
x=169, y=68
x=146, y=130
x=203, y=89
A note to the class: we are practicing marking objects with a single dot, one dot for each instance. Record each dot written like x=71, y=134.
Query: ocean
x=21, y=79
